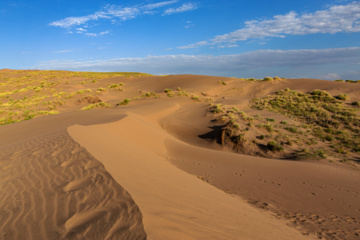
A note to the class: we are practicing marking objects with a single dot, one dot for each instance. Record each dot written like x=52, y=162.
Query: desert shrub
x=339, y=80
x=284, y=122
x=84, y=91
x=182, y=93
x=195, y=98
x=292, y=129
x=268, y=79
x=96, y=105
x=149, y=94
x=167, y=90
x=222, y=82
x=274, y=146
x=343, y=97
x=277, y=78
x=217, y=108
x=101, y=89
x=267, y=126
x=270, y=120
x=234, y=110
x=357, y=104
x=126, y=101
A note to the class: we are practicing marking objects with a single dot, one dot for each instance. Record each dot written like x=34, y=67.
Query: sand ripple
x=52, y=188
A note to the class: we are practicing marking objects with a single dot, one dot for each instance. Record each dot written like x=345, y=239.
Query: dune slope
x=52, y=188
x=173, y=202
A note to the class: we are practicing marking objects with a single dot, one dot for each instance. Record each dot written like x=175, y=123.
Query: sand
x=142, y=172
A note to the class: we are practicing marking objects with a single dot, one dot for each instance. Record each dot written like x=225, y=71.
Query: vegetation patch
x=327, y=117
x=126, y=101
x=96, y=105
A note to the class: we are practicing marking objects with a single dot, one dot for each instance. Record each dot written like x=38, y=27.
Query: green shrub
x=274, y=146
x=96, y=105
x=292, y=129
x=182, y=93
x=167, y=90
x=222, y=82
x=195, y=98
x=343, y=97
x=217, y=108
x=126, y=101
x=357, y=104
x=261, y=137
x=83, y=91
x=268, y=79
x=267, y=126
x=149, y=94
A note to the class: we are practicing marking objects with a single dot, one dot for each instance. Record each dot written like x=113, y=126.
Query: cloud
x=260, y=62
x=337, y=18
x=330, y=76
x=116, y=13
x=185, y=7
x=97, y=34
x=63, y=51
x=109, y=12
x=159, y=5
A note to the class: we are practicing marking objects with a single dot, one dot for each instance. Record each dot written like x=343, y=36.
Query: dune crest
x=173, y=202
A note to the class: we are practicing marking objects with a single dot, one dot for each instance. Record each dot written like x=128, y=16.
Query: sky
x=232, y=38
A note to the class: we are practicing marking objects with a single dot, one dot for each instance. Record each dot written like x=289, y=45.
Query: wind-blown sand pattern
x=52, y=188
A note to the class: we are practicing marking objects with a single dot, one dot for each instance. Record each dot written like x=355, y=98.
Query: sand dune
x=52, y=188
x=153, y=169
x=173, y=202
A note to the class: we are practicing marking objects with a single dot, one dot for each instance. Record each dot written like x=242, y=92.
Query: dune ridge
x=173, y=202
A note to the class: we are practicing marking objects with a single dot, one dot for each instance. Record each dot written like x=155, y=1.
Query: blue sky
x=258, y=38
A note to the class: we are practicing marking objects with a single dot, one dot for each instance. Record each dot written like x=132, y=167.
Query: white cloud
x=63, y=51
x=260, y=62
x=97, y=34
x=159, y=5
x=109, y=12
x=116, y=13
x=338, y=18
x=185, y=7
x=330, y=76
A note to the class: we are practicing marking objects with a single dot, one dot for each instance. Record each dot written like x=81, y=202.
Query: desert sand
x=142, y=171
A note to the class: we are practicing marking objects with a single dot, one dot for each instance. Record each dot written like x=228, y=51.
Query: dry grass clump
x=96, y=105
x=217, y=108
x=268, y=79
x=274, y=146
x=195, y=98
x=343, y=97
x=126, y=101
x=150, y=94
